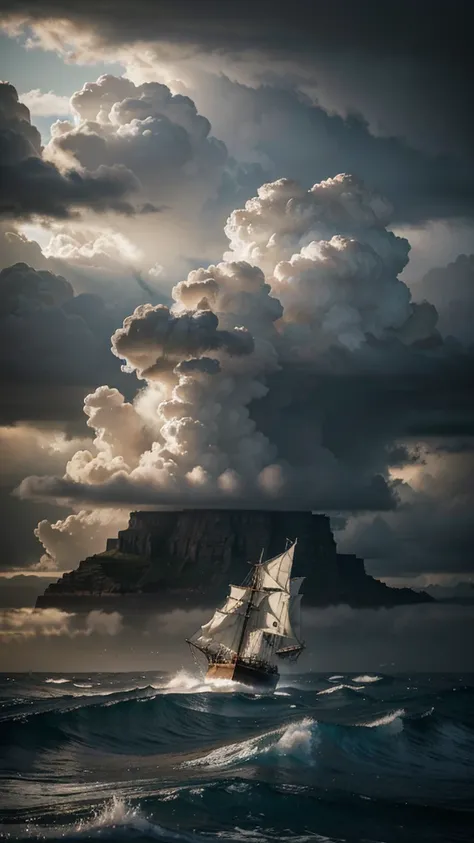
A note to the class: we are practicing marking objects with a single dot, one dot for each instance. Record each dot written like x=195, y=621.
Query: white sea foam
x=82, y=685
x=336, y=677
x=118, y=814
x=186, y=683
x=57, y=681
x=341, y=687
x=296, y=739
x=366, y=678
x=393, y=717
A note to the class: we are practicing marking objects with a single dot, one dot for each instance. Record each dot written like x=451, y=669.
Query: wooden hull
x=245, y=674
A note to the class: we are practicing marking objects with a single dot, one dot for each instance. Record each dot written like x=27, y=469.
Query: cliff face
x=188, y=558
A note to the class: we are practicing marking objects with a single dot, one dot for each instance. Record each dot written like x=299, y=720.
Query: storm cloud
x=301, y=364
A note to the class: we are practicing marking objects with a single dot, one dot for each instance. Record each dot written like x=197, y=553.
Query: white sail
x=259, y=645
x=276, y=572
x=256, y=620
x=295, y=584
x=238, y=596
x=295, y=614
x=273, y=614
x=223, y=629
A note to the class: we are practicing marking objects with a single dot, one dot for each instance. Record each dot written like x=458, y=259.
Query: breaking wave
x=365, y=678
x=131, y=755
x=334, y=688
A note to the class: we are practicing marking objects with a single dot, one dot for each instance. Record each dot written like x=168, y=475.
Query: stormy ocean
x=159, y=757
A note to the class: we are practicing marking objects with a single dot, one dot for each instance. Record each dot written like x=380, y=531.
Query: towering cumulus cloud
x=307, y=273
x=159, y=137
x=189, y=429
x=331, y=261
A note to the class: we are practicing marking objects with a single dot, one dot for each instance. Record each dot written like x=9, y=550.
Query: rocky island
x=186, y=559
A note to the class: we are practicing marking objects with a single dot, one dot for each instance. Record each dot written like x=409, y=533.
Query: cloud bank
x=17, y=624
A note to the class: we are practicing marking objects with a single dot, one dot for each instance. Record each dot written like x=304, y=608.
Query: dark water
x=149, y=756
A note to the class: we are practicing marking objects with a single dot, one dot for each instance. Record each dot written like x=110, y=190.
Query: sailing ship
x=259, y=623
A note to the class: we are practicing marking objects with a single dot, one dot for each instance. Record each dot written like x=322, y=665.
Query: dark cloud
x=431, y=531
x=451, y=289
x=286, y=132
x=153, y=340
x=406, y=67
x=355, y=494
x=30, y=185
x=55, y=345
x=49, y=335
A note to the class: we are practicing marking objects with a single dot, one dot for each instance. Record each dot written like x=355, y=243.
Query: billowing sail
x=238, y=596
x=295, y=584
x=295, y=614
x=222, y=630
x=274, y=616
x=276, y=572
x=257, y=619
x=259, y=645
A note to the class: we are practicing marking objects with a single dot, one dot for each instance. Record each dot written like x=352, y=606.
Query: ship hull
x=243, y=673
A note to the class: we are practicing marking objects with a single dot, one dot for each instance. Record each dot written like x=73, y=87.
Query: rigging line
x=248, y=612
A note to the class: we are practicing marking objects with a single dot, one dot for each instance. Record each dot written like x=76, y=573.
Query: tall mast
x=249, y=607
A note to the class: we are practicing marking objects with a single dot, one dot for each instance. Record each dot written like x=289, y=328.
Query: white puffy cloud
x=338, y=290
x=331, y=261
x=79, y=535
x=88, y=248
x=284, y=217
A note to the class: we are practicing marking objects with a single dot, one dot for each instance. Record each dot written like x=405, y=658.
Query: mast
x=258, y=629
x=249, y=607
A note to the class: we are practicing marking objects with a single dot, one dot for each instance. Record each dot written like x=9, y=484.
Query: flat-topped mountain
x=187, y=558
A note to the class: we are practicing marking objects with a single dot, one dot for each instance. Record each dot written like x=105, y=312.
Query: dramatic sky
x=236, y=254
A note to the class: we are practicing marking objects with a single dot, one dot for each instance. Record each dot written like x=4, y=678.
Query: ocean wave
x=118, y=820
x=185, y=683
x=294, y=740
x=365, y=678
x=341, y=687
x=347, y=728
x=56, y=681
x=115, y=819
x=385, y=719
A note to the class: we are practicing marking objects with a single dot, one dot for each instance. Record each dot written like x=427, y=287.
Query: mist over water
x=334, y=757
